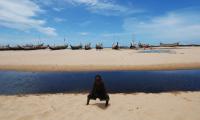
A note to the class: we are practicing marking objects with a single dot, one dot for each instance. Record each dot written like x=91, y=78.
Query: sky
x=99, y=21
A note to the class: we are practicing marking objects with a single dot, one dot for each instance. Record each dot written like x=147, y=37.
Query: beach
x=141, y=56
x=135, y=106
x=175, y=105
x=106, y=59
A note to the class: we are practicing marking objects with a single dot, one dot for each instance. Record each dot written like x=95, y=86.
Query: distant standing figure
x=98, y=91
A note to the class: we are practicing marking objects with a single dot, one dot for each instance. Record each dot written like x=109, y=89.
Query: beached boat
x=189, y=45
x=42, y=46
x=6, y=47
x=133, y=46
x=195, y=45
x=34, y=47
x=28, y=48
x=140, y=45
x=116, y=47
x=17, y=47
x=154, y=46
x=169, y=45
x=58, y=47
x=88, y=46
x=99, y=46
x=76, y=47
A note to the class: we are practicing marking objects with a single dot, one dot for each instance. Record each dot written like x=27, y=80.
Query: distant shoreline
x=104, y=60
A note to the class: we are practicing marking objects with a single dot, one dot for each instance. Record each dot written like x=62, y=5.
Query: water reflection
x=158, y=51
x=12, y=82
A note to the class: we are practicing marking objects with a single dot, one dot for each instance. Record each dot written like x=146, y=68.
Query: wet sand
x=106, y=59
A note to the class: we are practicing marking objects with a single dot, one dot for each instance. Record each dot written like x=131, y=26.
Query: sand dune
x=140, y=106
x=107, y=59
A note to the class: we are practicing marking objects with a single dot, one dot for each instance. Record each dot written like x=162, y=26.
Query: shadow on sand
x=101, y=105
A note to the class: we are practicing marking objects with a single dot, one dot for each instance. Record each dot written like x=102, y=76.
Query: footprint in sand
x=187, y=99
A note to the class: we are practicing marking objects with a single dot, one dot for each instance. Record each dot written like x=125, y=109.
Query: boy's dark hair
x=99, y=76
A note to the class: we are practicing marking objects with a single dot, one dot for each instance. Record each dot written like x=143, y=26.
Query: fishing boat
x=76, y=47
x=99, y=46
x=169, y=45
x=143, y=45
x=42, y=46
x=133, y=46
x=34, y=47
x=17, y=47
x=58, y=47
x=195, y=45
x=28, y=47
x=115, y=46
x=6, y=47
x=88, y=46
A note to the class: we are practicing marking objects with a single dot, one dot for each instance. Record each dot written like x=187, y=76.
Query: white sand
x=107, y=59
x=141, y=106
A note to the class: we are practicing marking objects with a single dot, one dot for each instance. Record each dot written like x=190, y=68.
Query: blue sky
x=107, y=21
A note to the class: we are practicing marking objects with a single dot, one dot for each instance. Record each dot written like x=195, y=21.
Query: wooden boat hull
x=58, y=47
x=190, y=45
x=99, y=46
x=76, y=47
x=4, y=48
x=116, y=47
x=144, y=46
x=42, y=47
x=34, y=47
x=133, y=46
x=87, y=47
x=16, y=48
x=29, y=48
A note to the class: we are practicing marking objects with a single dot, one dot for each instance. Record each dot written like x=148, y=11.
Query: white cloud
x=56, y=19
x=182, y=25
x=104, y=7
x=84, y=33
x=21, y=15
x=58, y=9
x=45, y=2
x=48, y=31
x=85, y=23
x=88, y=2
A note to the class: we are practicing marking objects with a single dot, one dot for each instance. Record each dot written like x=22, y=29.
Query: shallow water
x=158, y=51
x=12, y=82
